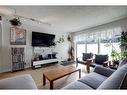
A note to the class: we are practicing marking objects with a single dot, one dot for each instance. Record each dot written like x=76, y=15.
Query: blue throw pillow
x=100, y=59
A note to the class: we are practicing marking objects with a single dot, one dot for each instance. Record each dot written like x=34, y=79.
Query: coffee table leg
x=44, y=79
x=51, y=84
x=79, y=73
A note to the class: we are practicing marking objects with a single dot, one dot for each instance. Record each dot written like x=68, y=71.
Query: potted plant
x=15, y=22
x=124, y=54
x=35, y=57
x=123, y=41
x=115, y=57
x=123, y=44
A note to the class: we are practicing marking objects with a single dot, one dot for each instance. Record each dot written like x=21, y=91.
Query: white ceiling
x=71, y=18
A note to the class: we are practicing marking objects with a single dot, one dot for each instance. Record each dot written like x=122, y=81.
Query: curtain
x=106, y=35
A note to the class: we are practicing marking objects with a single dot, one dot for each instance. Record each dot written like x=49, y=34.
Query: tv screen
x=42, y=39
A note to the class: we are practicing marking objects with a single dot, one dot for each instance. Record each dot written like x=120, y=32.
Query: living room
x=43, y=50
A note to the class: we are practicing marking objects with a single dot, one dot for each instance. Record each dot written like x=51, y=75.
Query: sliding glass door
x=92, y=48
x=97, y=48
x=98, y=42
x=80, y=49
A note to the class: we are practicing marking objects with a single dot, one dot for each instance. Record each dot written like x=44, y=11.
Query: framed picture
x=17, y=36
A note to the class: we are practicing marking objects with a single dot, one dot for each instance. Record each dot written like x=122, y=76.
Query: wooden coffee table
x=58, y=73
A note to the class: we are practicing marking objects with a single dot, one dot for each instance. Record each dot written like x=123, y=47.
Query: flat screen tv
x=42, y=39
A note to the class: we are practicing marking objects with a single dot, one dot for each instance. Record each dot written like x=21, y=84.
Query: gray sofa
x=18, y=82
x=102, y=78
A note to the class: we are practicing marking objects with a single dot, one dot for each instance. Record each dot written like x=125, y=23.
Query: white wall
x=0, y=44
x=5, y=65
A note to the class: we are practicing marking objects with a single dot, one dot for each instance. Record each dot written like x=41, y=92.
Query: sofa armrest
x=18, y=82
x=105, y=64
x=89, y=60
x=103, y=71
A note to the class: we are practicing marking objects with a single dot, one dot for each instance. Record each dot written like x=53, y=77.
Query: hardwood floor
x=37, y=75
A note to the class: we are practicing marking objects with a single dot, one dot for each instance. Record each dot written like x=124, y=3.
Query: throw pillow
x=100, y=59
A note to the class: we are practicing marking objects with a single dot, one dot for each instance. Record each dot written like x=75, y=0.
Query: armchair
x=100, y=60
x=83, y=60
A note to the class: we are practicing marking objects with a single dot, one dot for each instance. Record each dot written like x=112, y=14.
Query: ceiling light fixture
x=20, y=17
x=33, y=19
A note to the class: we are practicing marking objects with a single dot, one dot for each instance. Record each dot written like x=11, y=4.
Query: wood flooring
x=37, y=75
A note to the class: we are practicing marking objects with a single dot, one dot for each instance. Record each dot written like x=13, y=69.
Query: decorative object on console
x=52, y=56
x=35, y=56
x=17, y=36
x=18, y=61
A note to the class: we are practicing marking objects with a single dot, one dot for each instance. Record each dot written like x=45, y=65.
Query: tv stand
x=36, y=64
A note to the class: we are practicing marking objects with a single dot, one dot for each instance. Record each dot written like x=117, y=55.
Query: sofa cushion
x=93, y=80
x=116, y=80
x=18, y=82
x=104, y=71
x=87, y=56
x=100, y=59
x=77, y=85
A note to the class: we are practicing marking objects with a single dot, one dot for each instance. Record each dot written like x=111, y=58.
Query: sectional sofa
x=103, y=78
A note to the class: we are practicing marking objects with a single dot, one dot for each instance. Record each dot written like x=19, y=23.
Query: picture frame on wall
x=17, y=36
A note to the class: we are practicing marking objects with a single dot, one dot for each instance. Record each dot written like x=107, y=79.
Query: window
x=92, y=48
x=105, y=48
x=116, y=47
x=80, y=49
x=98, y=42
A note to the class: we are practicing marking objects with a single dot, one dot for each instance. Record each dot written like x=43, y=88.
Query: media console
x=36, y=64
